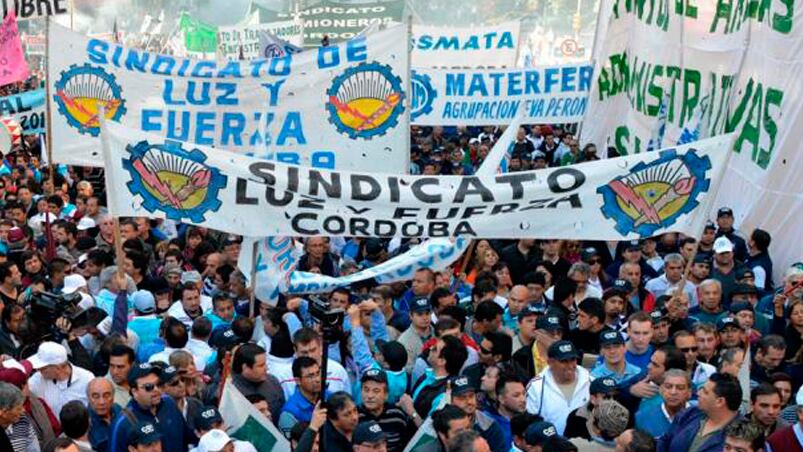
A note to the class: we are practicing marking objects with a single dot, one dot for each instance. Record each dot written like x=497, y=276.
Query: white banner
x=616, y=199
x=34, y=9
x=477, y=97
x=703, y=70
x=231, y=39
x=491, y=46
x=341, y=106
x=276, y=261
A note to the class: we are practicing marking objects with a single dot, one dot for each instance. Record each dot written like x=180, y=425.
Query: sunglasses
x=594, y=261
x=175, y=382
x=148, y=387
x=688, y=349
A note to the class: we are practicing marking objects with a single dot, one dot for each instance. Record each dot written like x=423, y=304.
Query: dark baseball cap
x=562, y=351
x=461, y=385
x=141, y=370
x=702, y=258
x=726, y=322
x=548, y=322
x=611, y=338
x=620, y=287
x=632, y=245
x=168, y=374
x=724, y=211
x=744, y=289
x=588, y=253
x=207, y=418
x=144, y=433
x=224, y=338
x=376, y=375
x=369, y=432
x=710, y=226
x=736, y=308
x=744, y=272
x=605, y=385
x=537, y=433
x=658, y=315
x=420, y=304
x=531, y=309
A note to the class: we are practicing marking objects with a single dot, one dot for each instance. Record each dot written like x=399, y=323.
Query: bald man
x=102, y=410
x=516, y=301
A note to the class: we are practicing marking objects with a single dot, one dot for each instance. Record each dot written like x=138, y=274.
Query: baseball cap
x=538, y=155
x=48, y=354
x=726, y=322
x=744, y=289
x=710, y=226
x=531, y=309
x=369, y=432
x=224, y=338
x=562, y=350
x=143, y=301
x=619, y=287
x=724, y=211
x=420, y=304
x=723, y=245
x=376, y=375
x=549, y=323
x=72, y=283
x=461, y=385
x=744, y=272
x=213, y=441
x=191, y=276
x=658, y=315
x=605, y=385
x=611, y=338
x=736, y=308
x=588, y=253
x=702, y=258
x=144, y=433
x=168, y=374
x=85, y=223
x=632, y=245
x=140, y=370
x=537, y=433
x=207, y=418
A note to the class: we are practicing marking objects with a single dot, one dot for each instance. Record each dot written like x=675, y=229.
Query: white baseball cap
x=723, y=245
x=213, y=441
x=85, y=223
x=72, y=283
x=48, y=354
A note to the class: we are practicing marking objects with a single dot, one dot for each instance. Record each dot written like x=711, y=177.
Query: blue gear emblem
x=365, y=101
x=174, y=181
x=422, y=95
x=654, y=195
x=79, y=92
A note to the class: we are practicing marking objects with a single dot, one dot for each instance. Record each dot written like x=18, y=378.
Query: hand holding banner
x=13, y=66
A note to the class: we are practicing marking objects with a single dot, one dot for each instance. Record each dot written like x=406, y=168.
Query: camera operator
x=10, y=341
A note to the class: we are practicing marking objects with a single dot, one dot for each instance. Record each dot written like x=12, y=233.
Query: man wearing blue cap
x=396, y=424
x=464, y=396
x=577, y=422
x=149, y=405
x=526, y=319
x=612, y=348
x=369, y=437
x=145, y=437
x=562, y=387
x=539, y=433
x=419, y=331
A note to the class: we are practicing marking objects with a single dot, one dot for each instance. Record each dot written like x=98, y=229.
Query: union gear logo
x=365, y=101
x=81, y=91
x=173, y=181
x=422, y=95
x=654, y=195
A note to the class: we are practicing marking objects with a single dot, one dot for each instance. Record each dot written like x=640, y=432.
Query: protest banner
x=27, y=108
x=615, y=199
x=276, y=259
x=339, y=21
x=446, y=47
x=246, y=423
x=34, y=44
x=33, y=9
x=719, y=67
x=13, y=66
x=342, y=106
x=247, y=38
x=479, y=97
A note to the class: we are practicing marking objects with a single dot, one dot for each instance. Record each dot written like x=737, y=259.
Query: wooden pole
x=118, y=247
x=252, y=295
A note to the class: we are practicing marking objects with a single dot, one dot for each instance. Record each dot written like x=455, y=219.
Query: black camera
x=331, y=320
x=44, y=308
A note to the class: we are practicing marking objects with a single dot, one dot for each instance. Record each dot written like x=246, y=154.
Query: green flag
x=246, y=423
x=198, y=36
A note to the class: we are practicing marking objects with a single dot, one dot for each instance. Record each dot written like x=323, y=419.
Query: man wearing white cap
x=724, y=269
x=56, y=380
x=219, y=441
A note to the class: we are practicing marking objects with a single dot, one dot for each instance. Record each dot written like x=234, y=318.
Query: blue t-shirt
x=641, y=361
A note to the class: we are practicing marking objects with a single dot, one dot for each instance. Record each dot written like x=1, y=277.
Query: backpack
x=427, y=395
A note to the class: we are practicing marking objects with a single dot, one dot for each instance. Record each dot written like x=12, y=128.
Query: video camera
x=331, y=320
x=44, y=308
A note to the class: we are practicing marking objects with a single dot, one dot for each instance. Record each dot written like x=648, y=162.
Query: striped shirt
x=395, y=423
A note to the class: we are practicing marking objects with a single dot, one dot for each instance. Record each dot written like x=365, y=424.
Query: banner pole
x=408, y=139
x=252, y=295
x=48, y=143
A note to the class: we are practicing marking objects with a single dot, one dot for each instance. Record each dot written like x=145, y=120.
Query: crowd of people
x=667, y=343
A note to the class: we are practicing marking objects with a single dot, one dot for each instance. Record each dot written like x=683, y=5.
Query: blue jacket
x=397, y=380
x=99, y=430
x=684, y=427
x=652, y=420
x=176, y=434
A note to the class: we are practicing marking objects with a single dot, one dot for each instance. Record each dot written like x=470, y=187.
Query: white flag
x=246, y=423
x=271, y=46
